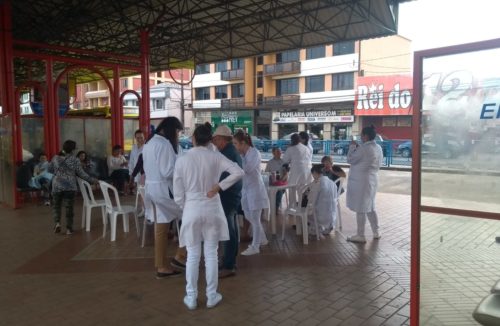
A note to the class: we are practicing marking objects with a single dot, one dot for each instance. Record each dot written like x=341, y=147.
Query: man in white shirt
x=276, y=165
x=134, y=155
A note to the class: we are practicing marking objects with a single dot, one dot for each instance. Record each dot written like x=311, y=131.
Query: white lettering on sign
x=372, y=98
x=398, y=99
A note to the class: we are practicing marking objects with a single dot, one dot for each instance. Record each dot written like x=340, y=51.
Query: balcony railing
x=282, y=68
x=235, y=74
x=229, y=103
x=289, y=99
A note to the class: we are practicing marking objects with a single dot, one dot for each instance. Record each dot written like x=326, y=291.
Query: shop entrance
x=340, y=132
x=287, y=129
x=316, y=129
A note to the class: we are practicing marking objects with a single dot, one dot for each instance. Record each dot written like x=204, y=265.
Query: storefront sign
x=383, y=95
x=323, y=116
x=234, y=119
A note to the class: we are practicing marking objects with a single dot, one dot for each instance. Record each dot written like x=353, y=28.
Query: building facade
x=309, y=89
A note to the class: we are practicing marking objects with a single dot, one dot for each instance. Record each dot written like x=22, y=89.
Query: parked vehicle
x=445, y=148
x=341, y=147
x=185, y=142
x=263, y=145
x=316, y=143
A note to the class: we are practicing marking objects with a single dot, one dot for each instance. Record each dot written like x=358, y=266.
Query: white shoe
x=214, y=300
x=190, y=302
x=265, y=242
x=251, y=251
x=377, y=235
x=357, y=239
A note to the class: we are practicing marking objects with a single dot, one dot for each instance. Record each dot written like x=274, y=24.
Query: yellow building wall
x=389, y=55
x=268, y=83
x=250, y=81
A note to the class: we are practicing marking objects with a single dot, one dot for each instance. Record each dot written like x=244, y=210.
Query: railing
x=229, y=103
x=290, y=99
x=282, y=68
x=235, y=74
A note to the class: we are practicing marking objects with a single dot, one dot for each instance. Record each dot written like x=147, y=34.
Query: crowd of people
x=206, y=187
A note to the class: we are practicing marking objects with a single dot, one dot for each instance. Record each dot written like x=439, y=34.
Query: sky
x=437, y=23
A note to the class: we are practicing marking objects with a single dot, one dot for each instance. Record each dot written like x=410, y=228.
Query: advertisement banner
x=323, y=116
x=383, y=95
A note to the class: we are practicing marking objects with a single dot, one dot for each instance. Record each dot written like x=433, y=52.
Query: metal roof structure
x=189, y=32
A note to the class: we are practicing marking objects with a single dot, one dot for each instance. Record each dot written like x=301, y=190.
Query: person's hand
x=95, y=182
x=353, y=142
x=214, y=191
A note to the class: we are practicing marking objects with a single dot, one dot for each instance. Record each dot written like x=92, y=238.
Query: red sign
x=383, y=95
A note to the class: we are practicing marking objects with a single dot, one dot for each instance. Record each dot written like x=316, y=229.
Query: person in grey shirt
x=276, y=165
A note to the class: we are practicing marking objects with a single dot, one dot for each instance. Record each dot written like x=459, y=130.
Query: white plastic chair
x=340, y=187
x=140, y=194
x=113, y=211
x=90, y=202
x=302, y=213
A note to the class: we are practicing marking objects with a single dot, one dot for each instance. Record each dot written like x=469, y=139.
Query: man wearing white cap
x=230, y=199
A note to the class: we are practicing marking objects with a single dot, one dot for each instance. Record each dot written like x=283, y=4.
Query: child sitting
x=323, y=195
x=41, y=178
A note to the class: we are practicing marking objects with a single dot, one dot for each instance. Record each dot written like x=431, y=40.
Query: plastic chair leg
x=137, y=228
x=144, y=232
x=83, y=216
x=339, y=217
x=305, y=233
x=112, y=221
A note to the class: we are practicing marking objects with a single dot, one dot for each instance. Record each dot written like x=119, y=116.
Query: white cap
x=223, y=130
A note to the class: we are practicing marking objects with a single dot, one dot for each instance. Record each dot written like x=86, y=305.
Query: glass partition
x=32, y=137
x=459, y=180
x=6, y=161
x=129, y=128
x=73, y=128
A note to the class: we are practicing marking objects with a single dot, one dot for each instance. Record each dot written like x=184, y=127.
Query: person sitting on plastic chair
x=41, y=177
x=322, y=195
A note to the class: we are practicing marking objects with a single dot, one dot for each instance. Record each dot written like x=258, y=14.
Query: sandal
x=160, y=275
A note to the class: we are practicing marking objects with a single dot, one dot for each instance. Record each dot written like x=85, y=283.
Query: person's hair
x=68, y=147
x=41, y=154
x=295, y=139
x=168, y=128
x=138, y=131
x=82, y=152
x=275, y=148
x=286, y=167
x=304, y=136
x=369, y=132
x=202, y=135
x=317, y=168
x=243, y=137
x=326, y=158
x=116, y=147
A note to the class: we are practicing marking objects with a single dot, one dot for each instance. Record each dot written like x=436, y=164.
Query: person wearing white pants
x=254, y=197
x=196, y=190
x=365, y=160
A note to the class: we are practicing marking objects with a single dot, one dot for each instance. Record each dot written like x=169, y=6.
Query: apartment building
x=309, y=89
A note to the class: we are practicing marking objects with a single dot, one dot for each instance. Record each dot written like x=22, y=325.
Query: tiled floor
x=48, y=279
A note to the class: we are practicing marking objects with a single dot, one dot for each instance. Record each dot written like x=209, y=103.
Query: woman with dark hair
x=196, y=190
x=299, y=158
x=304, y=139
x=66, y=167
x=159, y=156
x=365, y=161
x=254, y=197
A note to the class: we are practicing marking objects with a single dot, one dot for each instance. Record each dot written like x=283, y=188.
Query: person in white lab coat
x=365, y=160
x=196, y=190
x=323, y=195
x=254, y=198
x=134, y=156
x=306, y=141
x=299, y=157
x=159, y=156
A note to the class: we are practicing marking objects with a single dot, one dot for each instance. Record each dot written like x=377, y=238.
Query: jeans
x=193, y=268
x=230, y=247
x=66, y=198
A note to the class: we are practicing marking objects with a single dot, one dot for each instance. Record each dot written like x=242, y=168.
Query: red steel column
x=144, y=110
x=51, y=112
x=116, y=110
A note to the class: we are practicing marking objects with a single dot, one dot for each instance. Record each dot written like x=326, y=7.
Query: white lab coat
x=132, y=161
x=159, y=161
x=362, y=182
x=196, y=172
x=299, y=157
x=323, y=196
x=254, y=193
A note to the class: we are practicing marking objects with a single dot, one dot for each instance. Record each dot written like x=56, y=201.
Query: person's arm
x=355, y=154
x=132, y=160
x=166, y=160
x=235, y=174
x=338, y=171
x=252, y=162
x=179, y=190
x=287, y=157
x=138, y=167
x=81, y=173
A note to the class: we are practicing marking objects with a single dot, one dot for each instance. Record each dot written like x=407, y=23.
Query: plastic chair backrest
x=340, y=186
x=106, y=187
x=83, y=190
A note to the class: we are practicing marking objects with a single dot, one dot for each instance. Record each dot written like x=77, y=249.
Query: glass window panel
x=315, y=84
x=129, y=128
x=203, y=69
x=6, y=161
x=458, y=266
x=260, y=60
x=98, y=142
x=32, y=135
x=341, y=48
x=221, y=91
x=237, y=90
x=260, y=80
x=238, y=64
x=315, y=52
x=73, y=128
x=288, y=56
x=287, y=86
x=343, y=81
x=221, y=66
x=460, y=142
x=202, y=93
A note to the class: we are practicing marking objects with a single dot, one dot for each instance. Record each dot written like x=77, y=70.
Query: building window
x=237, y=64
x=158, y=74
x=202, y=93
x=221, y=66
x=288, y=56
x=287, y=86
x=124, y=83
x=341, y=48
x=221, y=91
x=237, y=90
x=203, y=69
x=343, y=81
x=260, y=80
x=159, y=104
x=315, y=52
x=260, y=60
x=260, y=99
x=315, y=84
